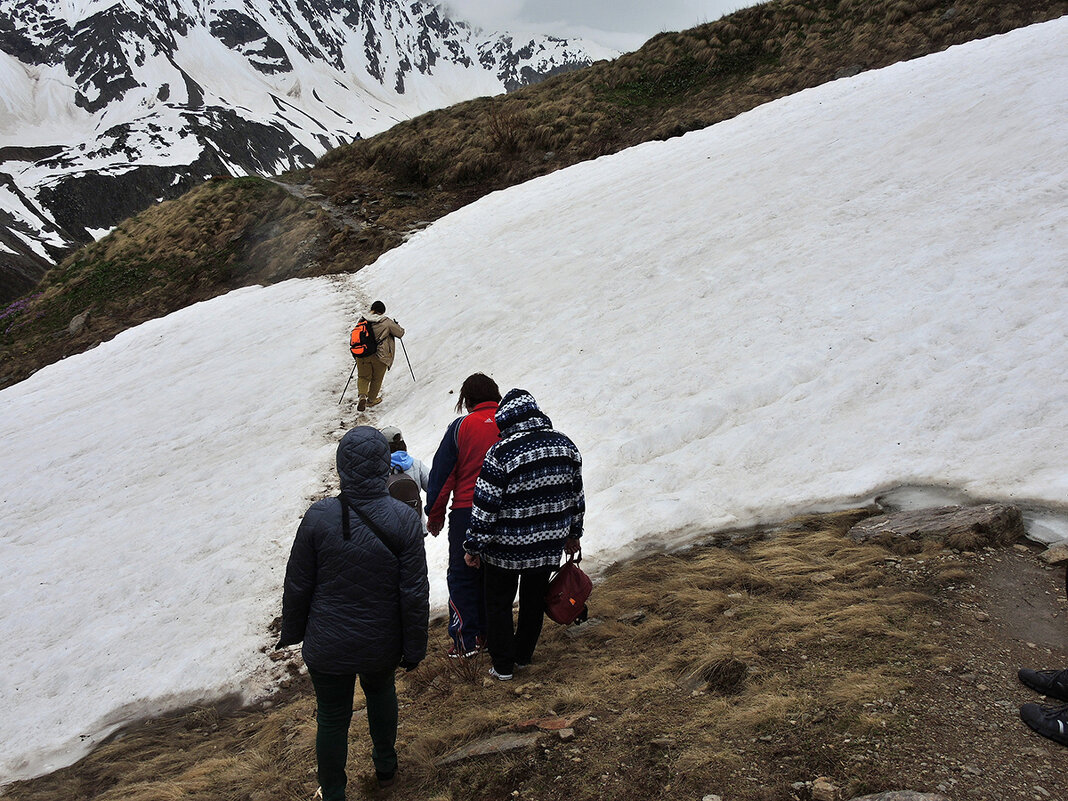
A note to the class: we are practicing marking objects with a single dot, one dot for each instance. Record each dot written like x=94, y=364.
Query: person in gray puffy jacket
x=359, y=601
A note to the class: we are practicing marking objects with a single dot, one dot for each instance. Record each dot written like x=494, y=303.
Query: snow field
x=855, y=288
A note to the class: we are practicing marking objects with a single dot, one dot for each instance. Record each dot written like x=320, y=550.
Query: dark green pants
x=333, y=699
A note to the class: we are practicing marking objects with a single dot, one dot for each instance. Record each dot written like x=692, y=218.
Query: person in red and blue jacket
x=454, y=472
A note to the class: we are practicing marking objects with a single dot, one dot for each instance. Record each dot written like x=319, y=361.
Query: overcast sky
x=622, y=24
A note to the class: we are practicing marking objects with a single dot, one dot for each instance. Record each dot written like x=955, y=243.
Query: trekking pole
x=346, y=389
x=410, y=370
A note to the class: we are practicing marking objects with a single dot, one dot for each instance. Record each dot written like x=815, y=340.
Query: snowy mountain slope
x=107, y=106
x=850, y=289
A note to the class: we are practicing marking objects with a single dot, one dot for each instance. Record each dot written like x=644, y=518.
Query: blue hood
x=401, y=460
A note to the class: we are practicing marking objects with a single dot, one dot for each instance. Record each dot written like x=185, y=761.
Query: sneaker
x=500, y=676
x=1053, y=683
x=521, y=666
x=375, y=401
x=1049, y=721
x=362, y=404
x=455, y=654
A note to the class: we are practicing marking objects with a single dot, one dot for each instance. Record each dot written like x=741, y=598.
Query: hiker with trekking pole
x=372, y=344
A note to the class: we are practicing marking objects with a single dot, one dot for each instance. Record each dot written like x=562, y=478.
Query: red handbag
x=565, y=600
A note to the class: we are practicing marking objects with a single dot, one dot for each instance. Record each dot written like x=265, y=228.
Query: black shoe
x=386, y=779
x=1053, y=683
x=1049, y=721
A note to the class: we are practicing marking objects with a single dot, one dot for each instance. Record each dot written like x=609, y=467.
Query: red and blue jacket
x=458, y=461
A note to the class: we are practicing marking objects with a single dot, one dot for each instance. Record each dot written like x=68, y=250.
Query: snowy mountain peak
x=151, y=96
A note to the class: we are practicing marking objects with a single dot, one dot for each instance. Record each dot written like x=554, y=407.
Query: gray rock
x=497, y=744
x=78, y=324
x=1055, y=554
x=958, y=527
x=901, y=795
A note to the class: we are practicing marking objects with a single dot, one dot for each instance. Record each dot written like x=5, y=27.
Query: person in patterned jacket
x=527, y=511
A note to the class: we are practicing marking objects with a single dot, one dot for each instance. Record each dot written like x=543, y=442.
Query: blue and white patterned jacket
x=528, y=497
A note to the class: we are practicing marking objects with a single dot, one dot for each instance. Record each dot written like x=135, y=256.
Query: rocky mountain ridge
x=110, y=105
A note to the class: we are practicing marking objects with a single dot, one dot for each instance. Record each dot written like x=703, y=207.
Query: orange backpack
x=362, y=341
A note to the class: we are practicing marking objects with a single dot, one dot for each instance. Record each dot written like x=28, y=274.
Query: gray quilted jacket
x=360, y=605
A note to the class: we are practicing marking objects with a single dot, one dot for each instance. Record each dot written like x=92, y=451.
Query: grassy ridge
x=230, y=234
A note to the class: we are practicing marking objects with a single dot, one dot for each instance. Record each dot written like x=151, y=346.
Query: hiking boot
x=500, y=676
x=386, y=779
x=362, y=403
x=375, y=401
x=1049, y=721
x=1053, y=683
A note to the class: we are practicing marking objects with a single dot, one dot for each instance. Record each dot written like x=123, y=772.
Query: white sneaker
x=500, y=676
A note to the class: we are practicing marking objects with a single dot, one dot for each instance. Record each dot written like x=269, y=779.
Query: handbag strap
x=346, y=530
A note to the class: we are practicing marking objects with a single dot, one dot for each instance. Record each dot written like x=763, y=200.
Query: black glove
x=408, y=666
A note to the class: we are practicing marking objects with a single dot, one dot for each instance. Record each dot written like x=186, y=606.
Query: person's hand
x=572, y=546
x=472, y=560
x=433, y=527
x=408, y=666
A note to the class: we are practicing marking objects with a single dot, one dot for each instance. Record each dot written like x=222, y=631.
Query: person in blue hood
x=357, y=595
x=401, y=461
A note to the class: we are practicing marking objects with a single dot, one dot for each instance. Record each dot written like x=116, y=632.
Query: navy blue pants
x=465, y=587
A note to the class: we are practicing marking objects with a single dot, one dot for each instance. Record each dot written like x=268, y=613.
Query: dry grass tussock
x=701, y=670
x=245, y=232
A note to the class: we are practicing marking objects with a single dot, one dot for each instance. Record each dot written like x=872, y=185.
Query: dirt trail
x=968, y=741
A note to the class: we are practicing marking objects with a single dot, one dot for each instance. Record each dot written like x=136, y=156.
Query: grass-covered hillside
x=364, y=198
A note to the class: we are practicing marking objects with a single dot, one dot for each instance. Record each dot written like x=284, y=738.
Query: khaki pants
x=370, y=370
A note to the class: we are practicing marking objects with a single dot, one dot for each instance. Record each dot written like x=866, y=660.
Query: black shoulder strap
x=346, y=530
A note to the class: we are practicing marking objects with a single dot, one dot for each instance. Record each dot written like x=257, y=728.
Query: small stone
x=982, y=617
x=566, y=735
x=712, y=797
x=823, y=789
x=1055, y=554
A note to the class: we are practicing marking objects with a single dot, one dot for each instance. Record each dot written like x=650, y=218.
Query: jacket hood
x=373, y=317
x=363, y=462
x=401, y=460
x=519, y=412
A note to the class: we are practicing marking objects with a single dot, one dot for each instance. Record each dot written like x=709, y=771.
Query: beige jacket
x=385, y=329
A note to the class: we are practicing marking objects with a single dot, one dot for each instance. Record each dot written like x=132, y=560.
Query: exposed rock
x=823, y=789
x=77, y=325
x=566, y=735
x=550, y=724
x=959, y=527
x=634, y=618
x=577, y=630
x=1056, y=553
x=901, y=795
x=497, y=744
